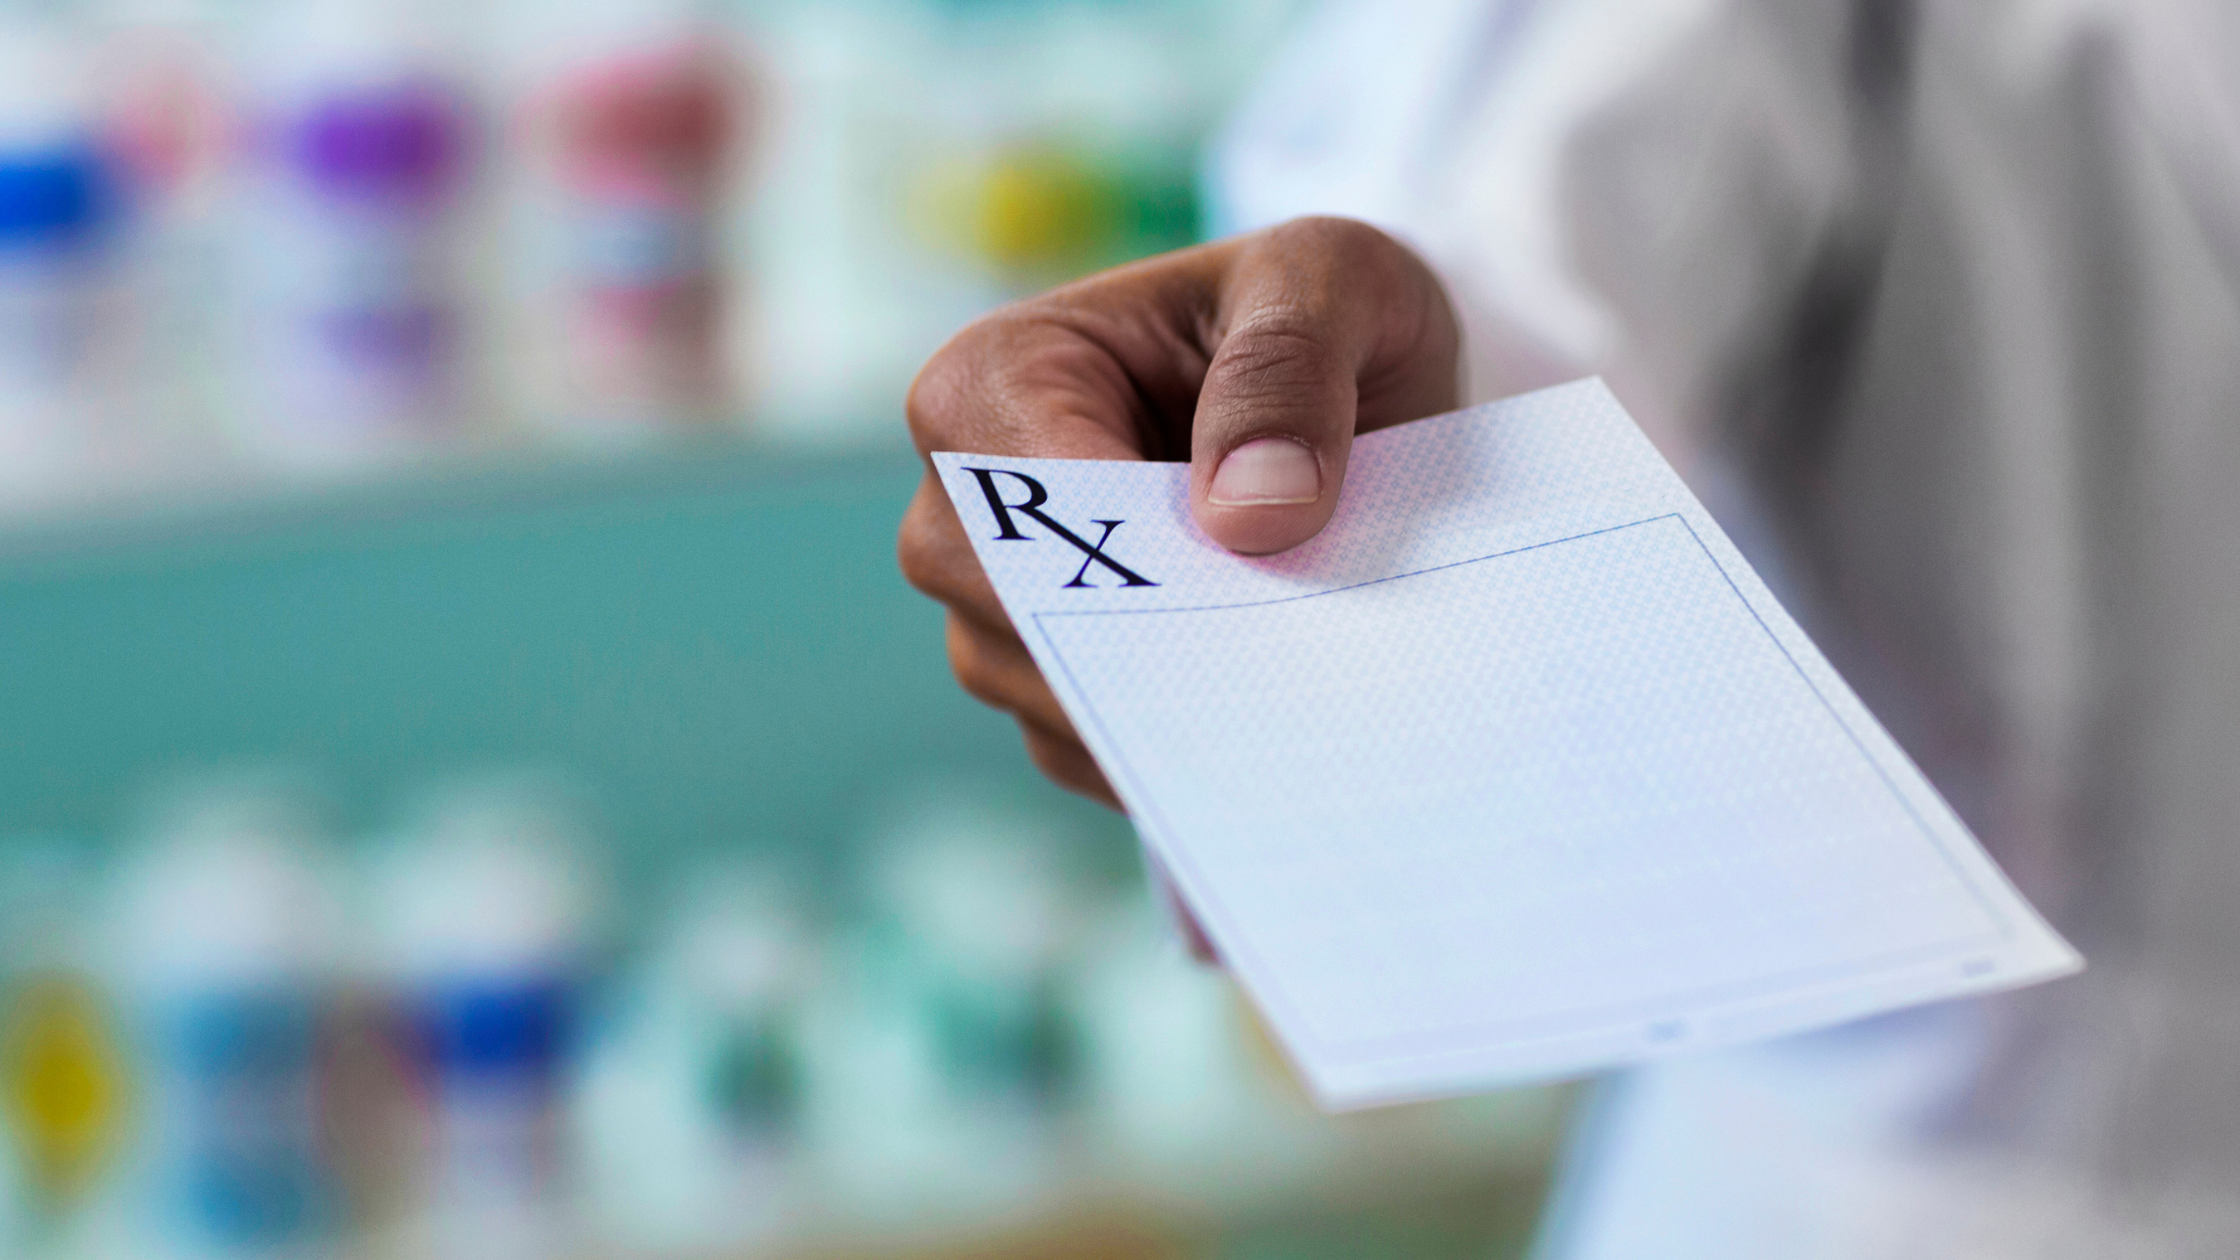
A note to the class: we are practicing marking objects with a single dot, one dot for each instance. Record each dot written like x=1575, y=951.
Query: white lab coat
x=1938, y=304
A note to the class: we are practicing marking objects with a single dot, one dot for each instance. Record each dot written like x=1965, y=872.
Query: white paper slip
x=1516, y=771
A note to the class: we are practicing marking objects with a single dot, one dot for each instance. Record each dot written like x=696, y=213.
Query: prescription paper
x=1516, y=771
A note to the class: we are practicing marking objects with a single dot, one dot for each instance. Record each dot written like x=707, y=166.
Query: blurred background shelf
x=217, y=494
x=473, y=780
x=720, y=634
x=714, y=649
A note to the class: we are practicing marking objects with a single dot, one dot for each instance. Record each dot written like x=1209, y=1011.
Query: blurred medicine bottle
x=227, y=939
x=170, y=116
x=58, y=210
x=692, y=1107
x=639, y=121
x=485, y=921
x=736, y=969
x=63, y=1082
x=362, y=140
x=981, y=921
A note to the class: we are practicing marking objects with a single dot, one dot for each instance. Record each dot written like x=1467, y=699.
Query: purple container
x=360, y=291
x=402, y=146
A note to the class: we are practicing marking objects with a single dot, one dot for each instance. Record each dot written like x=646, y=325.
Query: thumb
x=1324, y=328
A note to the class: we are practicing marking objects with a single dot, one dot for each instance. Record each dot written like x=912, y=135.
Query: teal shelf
x=715, y=643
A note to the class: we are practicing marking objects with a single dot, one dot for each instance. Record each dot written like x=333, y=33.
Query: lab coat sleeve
x=1632, y=187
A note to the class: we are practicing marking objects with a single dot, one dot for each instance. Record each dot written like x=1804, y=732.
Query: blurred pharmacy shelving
x=247, y=240
x=472, y=778
x=715, y=649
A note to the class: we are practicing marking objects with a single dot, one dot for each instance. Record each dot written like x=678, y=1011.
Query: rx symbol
x=1031, y=508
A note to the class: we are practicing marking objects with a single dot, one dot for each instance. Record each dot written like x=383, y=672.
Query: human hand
x=1256, y=358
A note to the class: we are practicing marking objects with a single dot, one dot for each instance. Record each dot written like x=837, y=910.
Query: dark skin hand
x=1256, y=358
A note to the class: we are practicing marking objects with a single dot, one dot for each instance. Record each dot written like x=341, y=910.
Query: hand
x=1256, y=358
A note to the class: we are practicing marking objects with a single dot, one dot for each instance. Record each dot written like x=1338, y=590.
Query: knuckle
x=918, y=566
x=1277, y=354
x=1334, y=266
x=988, y=674
x=1040, y=707
x=931, y=391
x=1064, y=763
x=941, y=394
x=976, y=671
x=919, y=551
x=1347, y=242
x=1281, y=339
x=971, y=369
x=937, y=560
x=981, y=685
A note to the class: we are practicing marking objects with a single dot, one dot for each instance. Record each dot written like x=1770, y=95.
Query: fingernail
x=1266, y=471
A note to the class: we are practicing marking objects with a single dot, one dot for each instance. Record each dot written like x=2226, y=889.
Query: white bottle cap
x=231, y=889
x=490, y=880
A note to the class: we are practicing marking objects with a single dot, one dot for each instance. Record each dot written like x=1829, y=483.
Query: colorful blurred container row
x=457, y=1039
x=320, y=233
x=271, y=220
